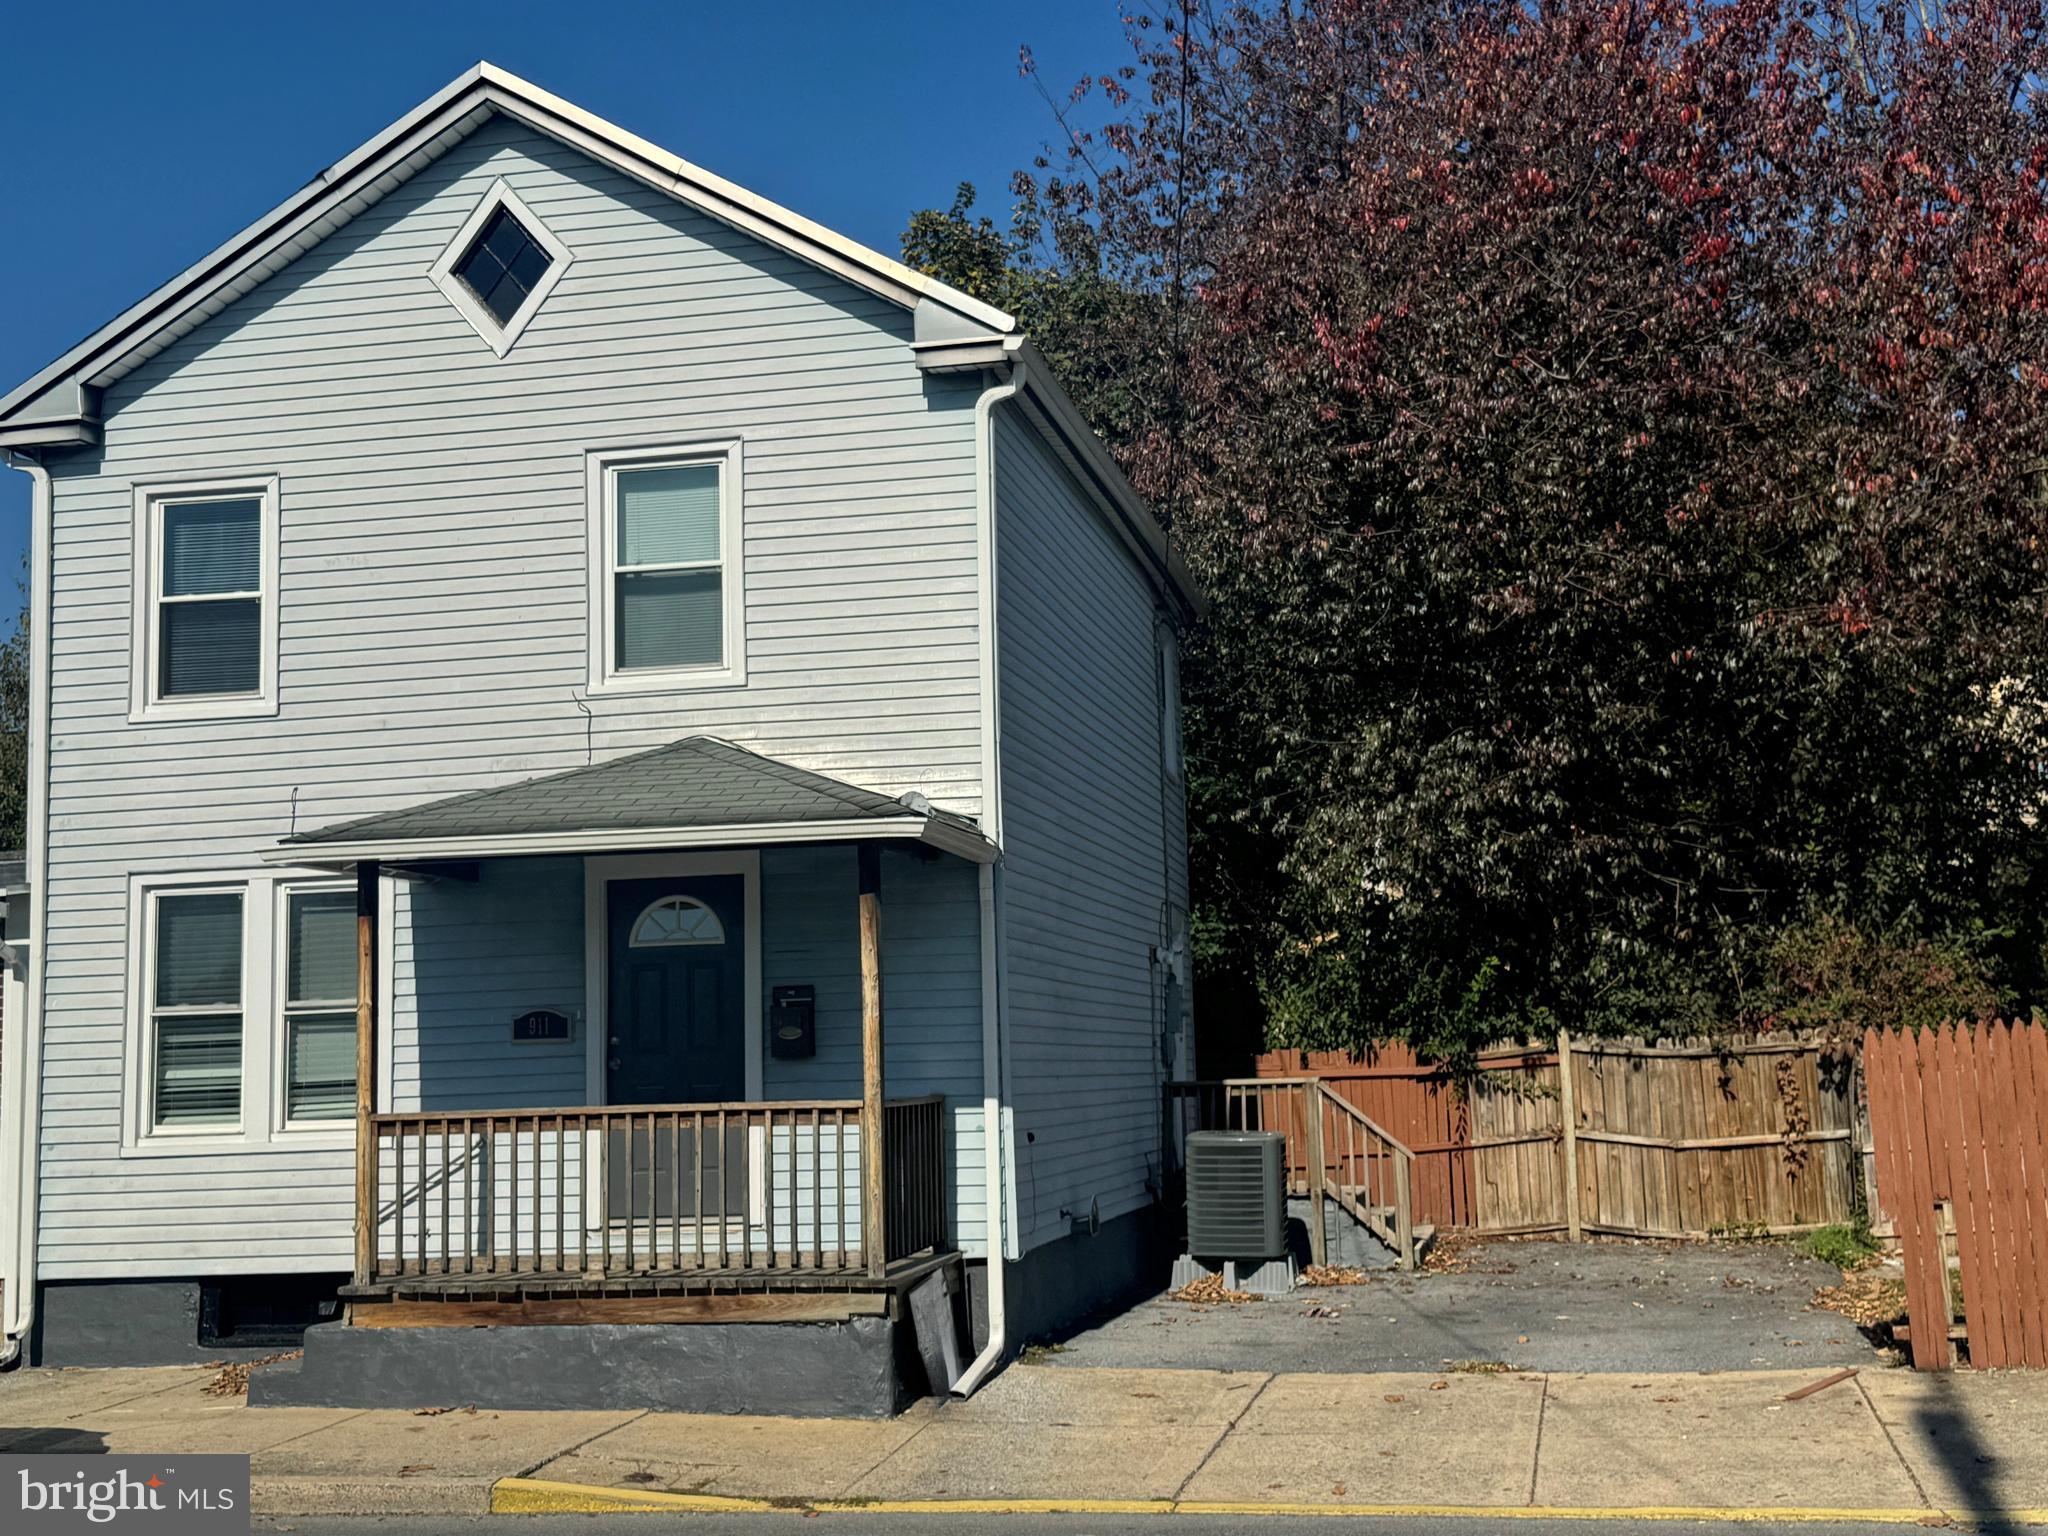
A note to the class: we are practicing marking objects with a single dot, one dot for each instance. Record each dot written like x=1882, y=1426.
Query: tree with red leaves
x=1615, y=437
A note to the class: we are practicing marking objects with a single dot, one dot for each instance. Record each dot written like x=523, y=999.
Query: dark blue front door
x=676, y=991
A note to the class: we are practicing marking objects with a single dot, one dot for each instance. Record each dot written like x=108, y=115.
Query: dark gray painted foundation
x=1056, y=1287
x=864, y=1368
x=123, y=1322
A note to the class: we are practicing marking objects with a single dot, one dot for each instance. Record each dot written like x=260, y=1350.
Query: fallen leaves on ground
x=233, y=1380
x=1334, y=1274
x=1479, y=1368
x=1450, y=1254
x=1867, y=1300
x=1210, y=1290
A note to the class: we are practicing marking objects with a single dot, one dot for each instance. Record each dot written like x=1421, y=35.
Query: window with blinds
x=668, y=593
x=210, y=599
x=204, y=637
x=320, y=1005
x=196, y=1010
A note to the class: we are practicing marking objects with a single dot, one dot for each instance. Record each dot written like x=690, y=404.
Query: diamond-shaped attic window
x=504, y=265
x=500, y=266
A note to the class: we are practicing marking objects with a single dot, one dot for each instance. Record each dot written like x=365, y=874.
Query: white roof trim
x=938, y=832
x=416, y=140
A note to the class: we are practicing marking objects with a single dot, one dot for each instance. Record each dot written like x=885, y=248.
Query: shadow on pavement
x=1974, y=1493
x=55, y=1440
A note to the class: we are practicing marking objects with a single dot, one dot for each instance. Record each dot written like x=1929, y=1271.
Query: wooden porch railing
x=646, y=1190
x=1333, y=1149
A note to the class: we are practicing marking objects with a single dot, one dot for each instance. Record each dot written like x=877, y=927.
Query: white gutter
x=21, y=1075
x=994, y=1242
x=995, y=1204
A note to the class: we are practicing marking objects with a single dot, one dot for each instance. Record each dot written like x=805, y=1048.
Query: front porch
x=675, y=1150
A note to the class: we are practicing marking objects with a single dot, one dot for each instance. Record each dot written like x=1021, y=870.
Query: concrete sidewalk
x=1888, y=1445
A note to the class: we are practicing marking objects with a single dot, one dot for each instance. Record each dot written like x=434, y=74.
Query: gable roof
x=60, y=405
x=689, y=793
x=64, y=392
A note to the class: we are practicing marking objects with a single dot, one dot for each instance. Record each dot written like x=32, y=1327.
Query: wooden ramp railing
x=1334, y=1149
x=650, y=1190
x=1367, y=1172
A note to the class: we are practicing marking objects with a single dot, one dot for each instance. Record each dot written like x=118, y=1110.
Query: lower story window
x=196, y=1010
x=320, y=1005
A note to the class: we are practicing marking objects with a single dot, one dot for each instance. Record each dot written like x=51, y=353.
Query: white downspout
x=21, y=1075
x=997, y=1214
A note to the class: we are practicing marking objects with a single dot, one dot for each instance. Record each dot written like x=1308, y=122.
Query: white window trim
x=150, y=498
x=500, y=338
x=262, y=1018
x=140, y=1129
x=601, y=470
x=340, y=1132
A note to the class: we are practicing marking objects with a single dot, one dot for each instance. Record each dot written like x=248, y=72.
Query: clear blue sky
x=138, y=135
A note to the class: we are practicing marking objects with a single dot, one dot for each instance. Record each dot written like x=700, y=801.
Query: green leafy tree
x=1613, y=439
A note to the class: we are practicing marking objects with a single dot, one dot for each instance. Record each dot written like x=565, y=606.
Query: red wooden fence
x=1960, y=1122
x=1419, y=1105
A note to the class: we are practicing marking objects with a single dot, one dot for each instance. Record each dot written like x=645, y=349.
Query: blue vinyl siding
x=1093, y=853
x=432, y=627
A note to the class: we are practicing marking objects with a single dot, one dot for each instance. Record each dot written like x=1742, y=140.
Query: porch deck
x=541, y=1297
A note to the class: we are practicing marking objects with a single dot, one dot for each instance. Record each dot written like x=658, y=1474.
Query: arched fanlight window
x=677, y=920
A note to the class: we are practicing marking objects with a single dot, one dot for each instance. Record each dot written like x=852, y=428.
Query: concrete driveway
x=1536, y=1305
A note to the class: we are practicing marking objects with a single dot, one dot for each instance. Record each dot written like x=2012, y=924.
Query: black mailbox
x=793, y=1022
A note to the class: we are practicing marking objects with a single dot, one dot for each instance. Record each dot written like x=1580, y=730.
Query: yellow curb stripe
x=997, y=1506
x=538, y=1496
x=526, y=1496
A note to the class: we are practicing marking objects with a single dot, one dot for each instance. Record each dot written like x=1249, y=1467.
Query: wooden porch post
x=874, y=1240
x=366, y=1070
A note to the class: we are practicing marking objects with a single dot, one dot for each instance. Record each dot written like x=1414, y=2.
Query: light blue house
x=605, y=775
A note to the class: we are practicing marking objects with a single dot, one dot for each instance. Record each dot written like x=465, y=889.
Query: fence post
x=1318, y=1238
x=1568, y=1112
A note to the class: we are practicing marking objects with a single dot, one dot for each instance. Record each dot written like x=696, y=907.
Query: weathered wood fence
x=1678, y=1138
x=1960, y=1123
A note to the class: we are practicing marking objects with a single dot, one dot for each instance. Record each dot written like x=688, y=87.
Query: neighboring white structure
x=513, y=446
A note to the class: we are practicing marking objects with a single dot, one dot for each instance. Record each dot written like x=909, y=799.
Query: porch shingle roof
x=696, y=784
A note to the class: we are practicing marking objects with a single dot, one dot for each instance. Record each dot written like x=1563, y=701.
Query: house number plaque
x=541, y=1024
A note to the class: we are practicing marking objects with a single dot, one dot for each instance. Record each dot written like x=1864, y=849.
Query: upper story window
x=205, y=602
x=666, y=580
x=500, y=267
x=504, y=265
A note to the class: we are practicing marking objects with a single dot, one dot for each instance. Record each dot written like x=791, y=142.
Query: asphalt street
x=863, y=1524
